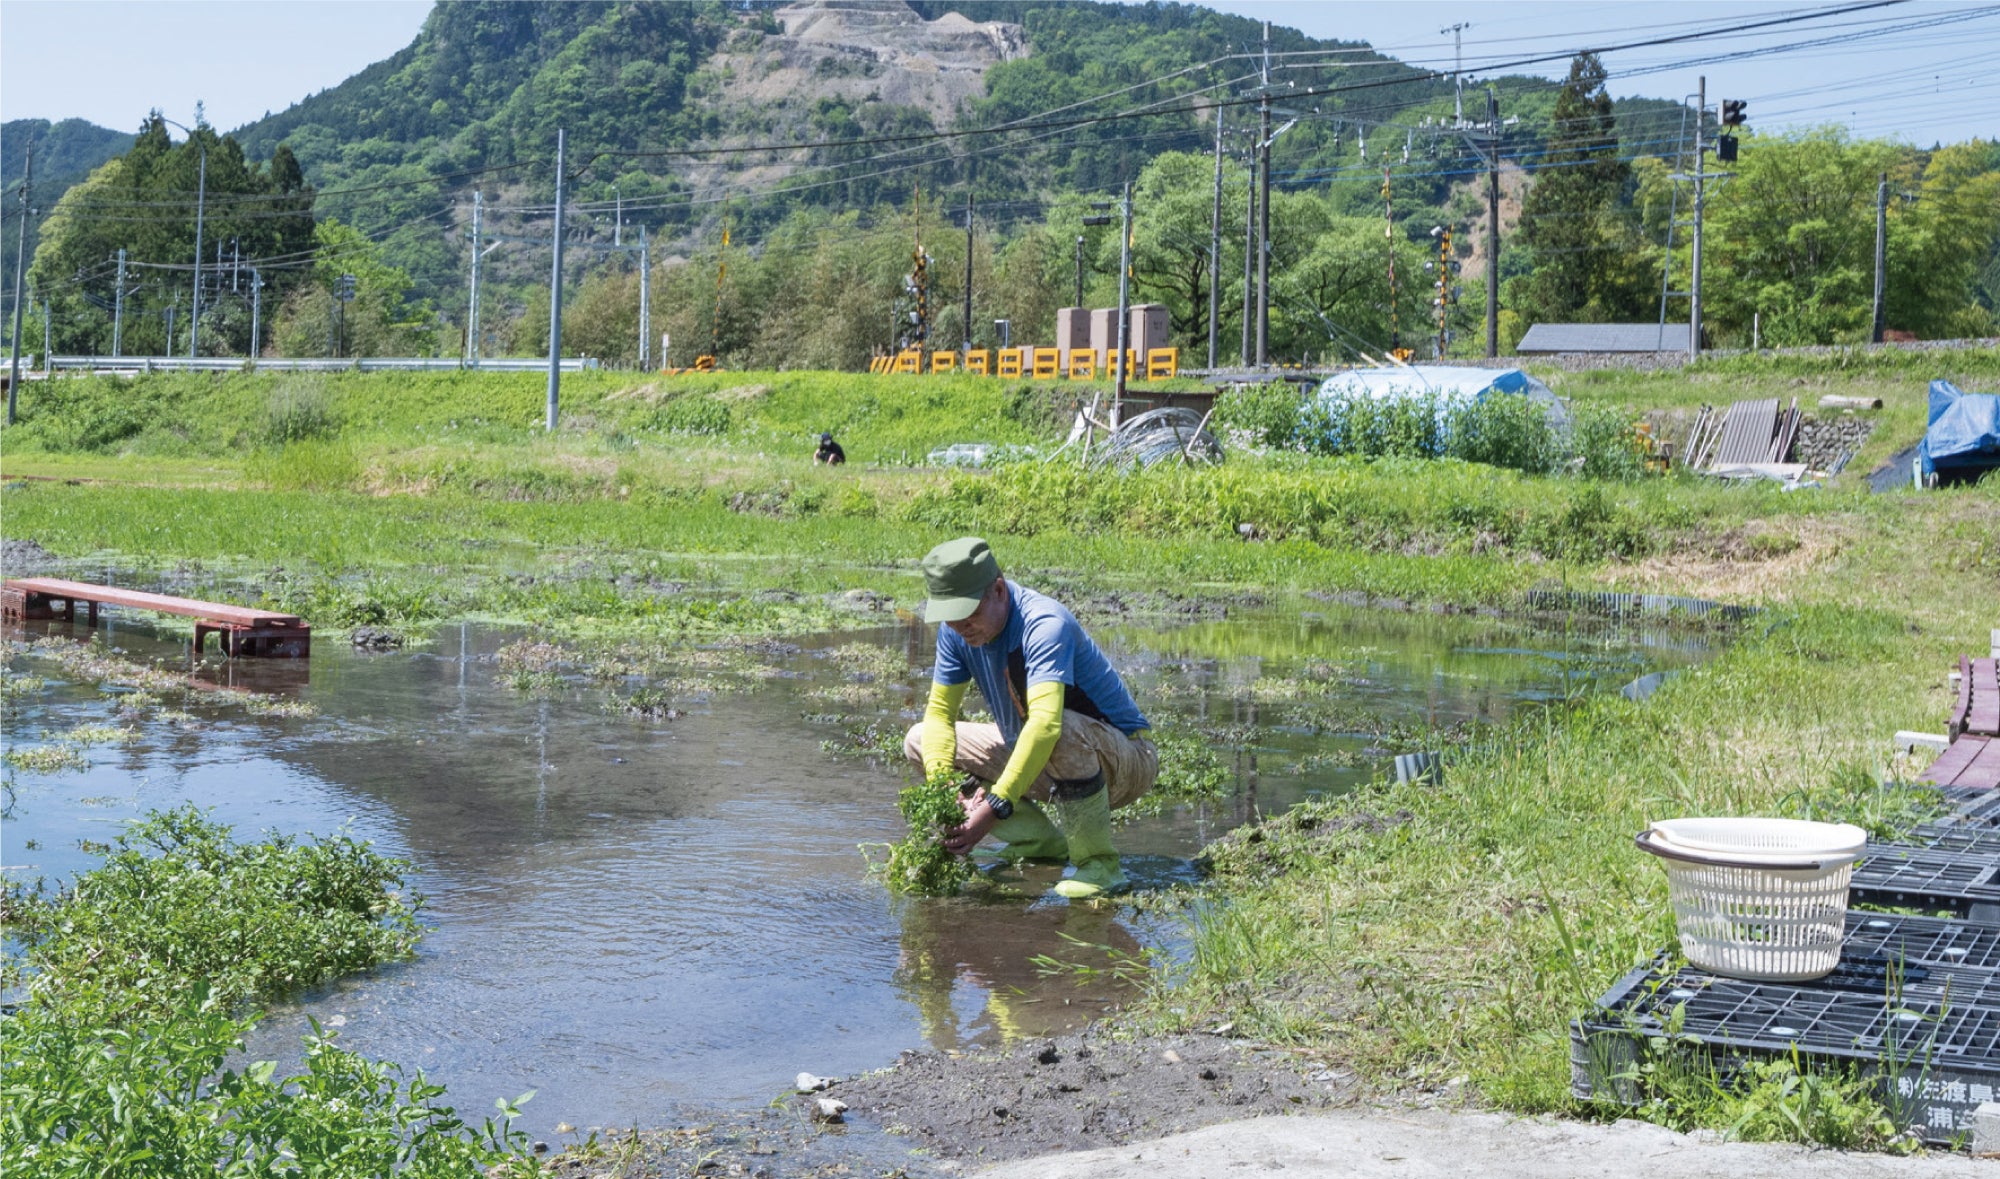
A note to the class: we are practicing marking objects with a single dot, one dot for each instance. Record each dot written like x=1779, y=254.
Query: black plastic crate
x=1909, y=876
x=1933, y=1041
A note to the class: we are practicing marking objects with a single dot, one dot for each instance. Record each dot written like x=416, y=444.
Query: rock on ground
x=1432, y=1144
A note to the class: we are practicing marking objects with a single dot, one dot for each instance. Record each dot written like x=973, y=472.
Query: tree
x=147, y=202
x=377, y=321
x=1571, y=222
x=1791, y=239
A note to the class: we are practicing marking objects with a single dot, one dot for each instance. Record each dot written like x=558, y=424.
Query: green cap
x=958, y=572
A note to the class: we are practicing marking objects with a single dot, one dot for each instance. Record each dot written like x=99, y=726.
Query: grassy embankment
x=1456, y=944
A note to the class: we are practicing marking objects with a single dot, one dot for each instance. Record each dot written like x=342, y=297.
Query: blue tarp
x=1964, y=434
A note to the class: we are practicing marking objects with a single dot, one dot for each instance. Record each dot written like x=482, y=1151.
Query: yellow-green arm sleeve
x=1039, y=734
x=941, y=727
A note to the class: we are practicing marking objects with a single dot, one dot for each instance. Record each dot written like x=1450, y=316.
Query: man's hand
x=979, y=819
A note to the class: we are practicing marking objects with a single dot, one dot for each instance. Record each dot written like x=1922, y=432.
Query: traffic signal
x=1732, y=112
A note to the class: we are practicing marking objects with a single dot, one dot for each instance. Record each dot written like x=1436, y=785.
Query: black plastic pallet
x=1934, y=1044
x=1963, y=840
x=1908, y=876
x=1921, y=942
x=1971, y=806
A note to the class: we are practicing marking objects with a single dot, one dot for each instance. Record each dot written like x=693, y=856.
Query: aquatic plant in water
x=918, y=862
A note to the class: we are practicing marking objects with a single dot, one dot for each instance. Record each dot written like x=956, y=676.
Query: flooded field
x=633, y=916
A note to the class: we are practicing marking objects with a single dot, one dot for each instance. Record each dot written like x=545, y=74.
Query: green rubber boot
x=1029, y=835
x=1086, y=823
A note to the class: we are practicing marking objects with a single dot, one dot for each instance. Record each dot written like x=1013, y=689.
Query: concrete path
x=1432, y=1144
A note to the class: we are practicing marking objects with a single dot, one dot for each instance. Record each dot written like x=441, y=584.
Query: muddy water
x=632, y=917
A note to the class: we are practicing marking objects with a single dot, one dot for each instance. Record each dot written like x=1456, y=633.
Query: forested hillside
x=821, y=142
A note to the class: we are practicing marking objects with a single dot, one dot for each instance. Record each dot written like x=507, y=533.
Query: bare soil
x=1080, y=1093
x=937, y=1113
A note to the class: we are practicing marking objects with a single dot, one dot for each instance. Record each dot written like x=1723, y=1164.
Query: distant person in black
x=829, y=452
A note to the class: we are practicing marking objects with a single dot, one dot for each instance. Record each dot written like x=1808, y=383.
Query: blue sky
x=109, y=61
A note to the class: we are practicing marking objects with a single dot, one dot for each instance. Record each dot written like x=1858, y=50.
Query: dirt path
x=1432, y=1144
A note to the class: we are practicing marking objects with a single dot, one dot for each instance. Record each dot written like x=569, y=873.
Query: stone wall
x=1822, y=440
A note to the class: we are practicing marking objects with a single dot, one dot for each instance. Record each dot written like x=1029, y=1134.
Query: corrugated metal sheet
x=1604, y=337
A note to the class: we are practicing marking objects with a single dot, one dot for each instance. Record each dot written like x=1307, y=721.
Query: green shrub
x=1606, y=440
x=154, y=1100
x=1367, y=427
x=1513, y=432
x=1269, y=414
x=299, y=408
x=179, y=907
x=694, y=414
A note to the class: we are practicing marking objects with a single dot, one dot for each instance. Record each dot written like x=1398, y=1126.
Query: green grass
x=1410, y=931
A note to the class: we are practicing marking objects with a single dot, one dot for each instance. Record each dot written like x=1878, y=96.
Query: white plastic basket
x=1761, y=899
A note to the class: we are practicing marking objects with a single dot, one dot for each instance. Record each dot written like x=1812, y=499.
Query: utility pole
x=1389, y=234
x=256, y=316
x=555, y=293
x=1249, y=264
x=1124, y=307
x=118, y=309
x=472, y=296
x=200, y=204
x=1214, y=249
x=1492, y=224
x=1700, y=174
x=1264, y=208
x=1457, y=70
x=47, y=349
x=1079, y=271
x=618, y=217
x=645, y=300
x=20, y=270
x=1881, y=254
x=966, y=348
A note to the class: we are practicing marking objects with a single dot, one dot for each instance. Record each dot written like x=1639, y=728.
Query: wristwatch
x=1002, y=809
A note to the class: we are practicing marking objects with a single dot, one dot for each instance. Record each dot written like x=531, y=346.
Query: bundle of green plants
x=919, y=863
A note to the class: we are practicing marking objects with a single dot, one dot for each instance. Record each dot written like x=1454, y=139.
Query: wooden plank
x=1959, y=754
x=79, y=591
x=1984, y=769
x=1984, y=714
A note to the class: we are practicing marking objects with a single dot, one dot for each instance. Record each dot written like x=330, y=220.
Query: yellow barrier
x=1046, y=363
x=1010, y=362
x=879, y=364
x=1131, y=362
x=704, y=364
x=944, y=362
x=976, y=361
x=1163, y=363
x=910, y=361
x=1082, y=364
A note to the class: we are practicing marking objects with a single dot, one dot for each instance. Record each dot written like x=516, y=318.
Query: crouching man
x=1067, y=745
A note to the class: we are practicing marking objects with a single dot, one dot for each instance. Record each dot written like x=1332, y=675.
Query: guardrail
x=230, y=364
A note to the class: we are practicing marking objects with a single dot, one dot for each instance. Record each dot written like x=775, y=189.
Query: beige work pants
x=1087, y=746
